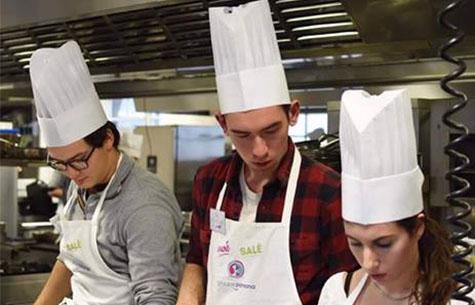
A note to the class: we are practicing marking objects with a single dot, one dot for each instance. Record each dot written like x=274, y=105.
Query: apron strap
x=291, y=187
x=348, y=277
x=355, y=293
x=95, y=216
x=221, y=196
x=68, y=206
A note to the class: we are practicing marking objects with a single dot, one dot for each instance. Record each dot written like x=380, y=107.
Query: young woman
x=396, y=257
x=404, y=255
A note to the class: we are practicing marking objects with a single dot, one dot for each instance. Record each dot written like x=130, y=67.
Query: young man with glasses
x=120, y=227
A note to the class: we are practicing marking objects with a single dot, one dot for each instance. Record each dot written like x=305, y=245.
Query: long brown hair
x=435, y=263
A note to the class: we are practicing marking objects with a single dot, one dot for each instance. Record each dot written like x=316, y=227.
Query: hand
x=57, y=192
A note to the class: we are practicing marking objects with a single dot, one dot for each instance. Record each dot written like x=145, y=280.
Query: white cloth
x=67, y=104
x=250, y=264
x=92, y=282
x=250, y=200
x=333, y=292
x=248, y=66
x=381, y=181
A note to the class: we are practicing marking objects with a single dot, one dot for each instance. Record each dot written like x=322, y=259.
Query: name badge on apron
x=217, y=221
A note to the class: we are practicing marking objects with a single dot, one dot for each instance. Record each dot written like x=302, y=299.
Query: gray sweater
x=139, y=228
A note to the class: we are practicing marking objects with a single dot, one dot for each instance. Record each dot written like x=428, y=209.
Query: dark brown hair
x=435, y=263
x=286, y=108
x=97, y=138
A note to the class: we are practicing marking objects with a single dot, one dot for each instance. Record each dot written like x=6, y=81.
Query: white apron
x=356, y=292
x=250, y=264
x=92, y=282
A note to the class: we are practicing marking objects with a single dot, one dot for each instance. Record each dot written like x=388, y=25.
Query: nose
x=371, y=259
x=259, y=149
x=71, y=172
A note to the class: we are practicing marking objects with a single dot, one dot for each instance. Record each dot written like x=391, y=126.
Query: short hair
x=97, y=138
x=286, y=108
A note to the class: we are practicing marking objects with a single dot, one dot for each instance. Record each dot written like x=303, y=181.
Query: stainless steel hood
x=404, y=20
x=164, y=34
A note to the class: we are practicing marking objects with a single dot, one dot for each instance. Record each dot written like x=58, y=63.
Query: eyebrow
x=376, y=240
x=271, y=126
x=70, y=159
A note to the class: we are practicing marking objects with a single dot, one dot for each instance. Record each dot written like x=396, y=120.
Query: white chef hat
x=248, y=66
x=67, y=104
x=381, y=181
x=131, y=144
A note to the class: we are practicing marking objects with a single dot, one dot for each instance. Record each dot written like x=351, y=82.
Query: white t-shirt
x=250, y=200
x=333, y=292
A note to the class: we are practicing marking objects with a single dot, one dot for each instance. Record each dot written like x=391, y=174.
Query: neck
x=112, y=163
x=256, y=180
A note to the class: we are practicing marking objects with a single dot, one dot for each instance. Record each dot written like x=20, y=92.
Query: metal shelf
x=22, y=162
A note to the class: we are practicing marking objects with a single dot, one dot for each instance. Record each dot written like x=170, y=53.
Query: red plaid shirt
x=318, y=246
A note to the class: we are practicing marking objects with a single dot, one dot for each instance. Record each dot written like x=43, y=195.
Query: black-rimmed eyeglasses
x=78, y=165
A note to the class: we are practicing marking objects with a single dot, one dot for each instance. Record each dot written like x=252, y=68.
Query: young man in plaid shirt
x=266, y=222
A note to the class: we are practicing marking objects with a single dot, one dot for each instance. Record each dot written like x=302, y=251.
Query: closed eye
x=271, y=131
x=241, y=135
x=383, y=245
x=80, y=159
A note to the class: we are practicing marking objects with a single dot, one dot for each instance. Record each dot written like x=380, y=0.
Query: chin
x=84, y=185
x=262, y=168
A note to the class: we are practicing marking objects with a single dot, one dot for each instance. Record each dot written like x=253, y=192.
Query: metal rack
x=168, y=34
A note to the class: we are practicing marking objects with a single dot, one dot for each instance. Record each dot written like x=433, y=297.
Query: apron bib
x=250, y=263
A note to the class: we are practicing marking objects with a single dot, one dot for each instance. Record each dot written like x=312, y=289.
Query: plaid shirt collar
x=283, y=171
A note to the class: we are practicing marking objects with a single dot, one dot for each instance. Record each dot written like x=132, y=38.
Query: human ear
x=294, y=112
x=221, y=121
x=420, y=229
x=108, y=143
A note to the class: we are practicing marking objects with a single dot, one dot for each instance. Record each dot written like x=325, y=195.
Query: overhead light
x=322, y=26
x=329, y=35
x=6, y=86
x=319, y=16
x=22, y=46
x=19, y=99
x=311, y=7
x=36, y=224
x=23, y=53
x=290, y=61
x=102, y=58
